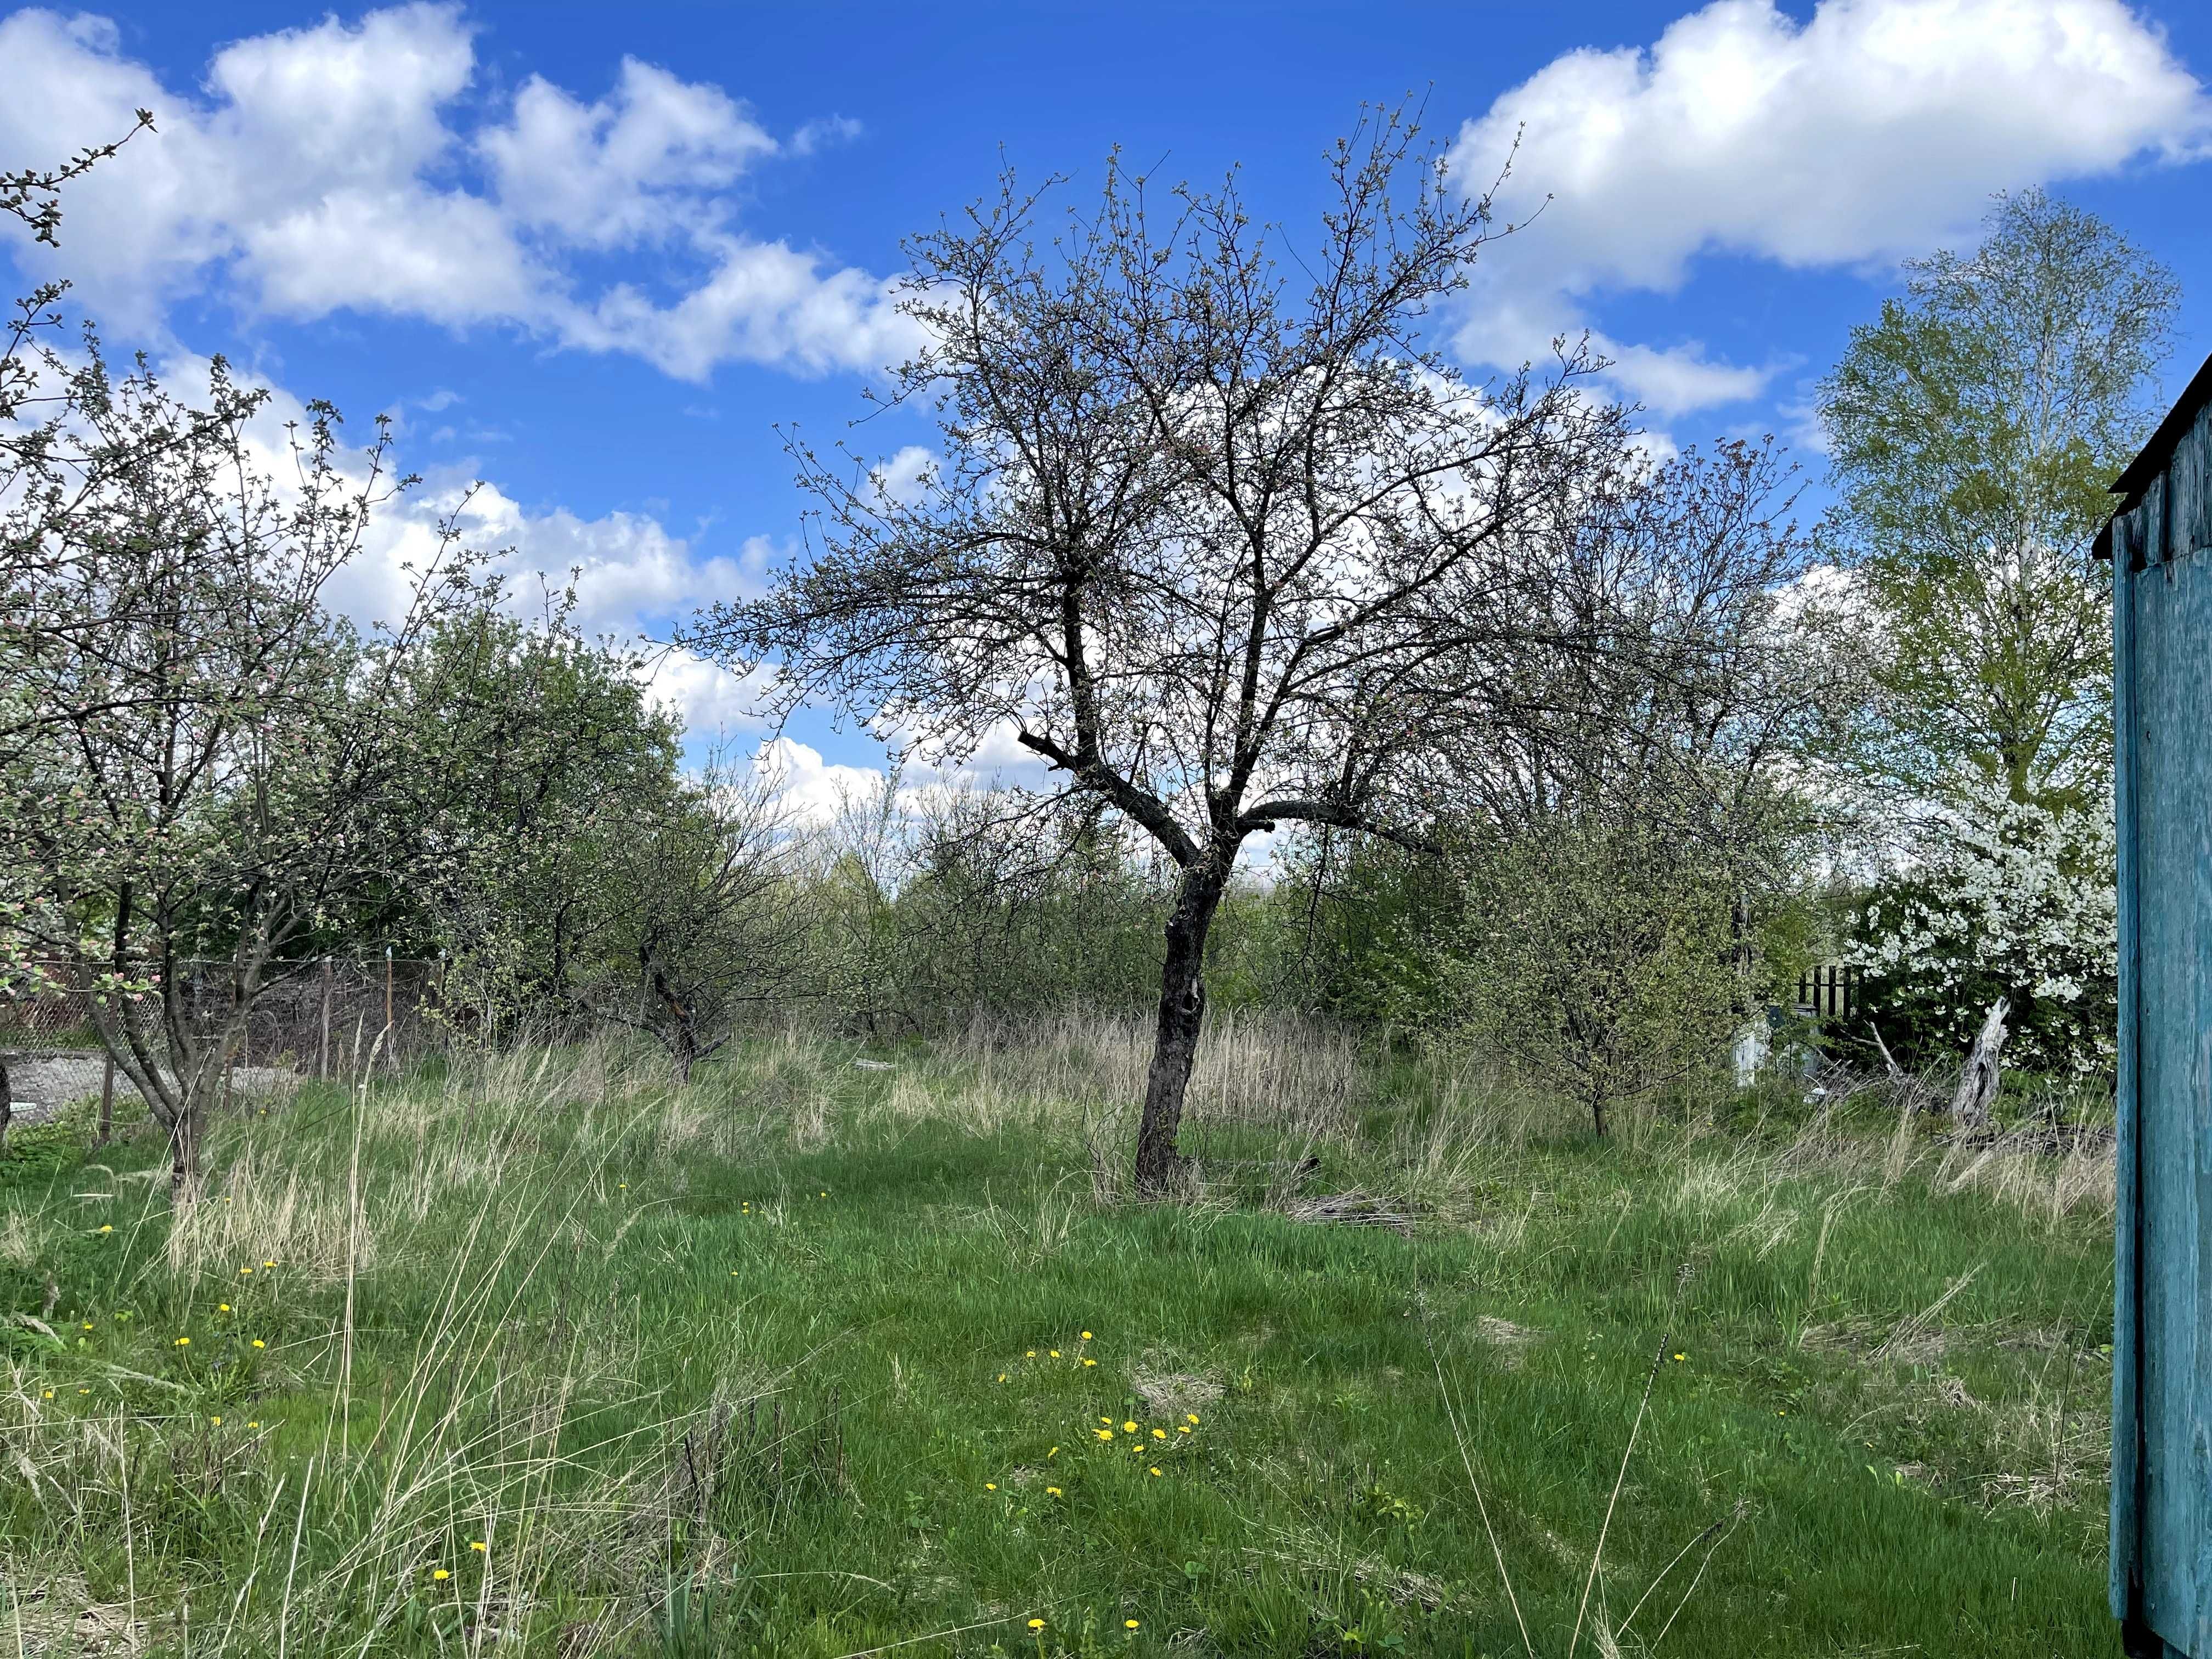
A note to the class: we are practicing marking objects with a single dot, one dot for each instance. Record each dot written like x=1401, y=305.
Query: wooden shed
x=2159, y=544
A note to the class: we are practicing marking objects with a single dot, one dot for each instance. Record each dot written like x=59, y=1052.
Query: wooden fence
x=1831, y=991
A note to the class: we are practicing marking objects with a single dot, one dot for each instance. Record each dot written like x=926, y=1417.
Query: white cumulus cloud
x=344, y=167
x=1873, y=129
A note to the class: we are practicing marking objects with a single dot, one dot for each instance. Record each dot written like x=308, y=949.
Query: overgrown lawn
x=816, y=1358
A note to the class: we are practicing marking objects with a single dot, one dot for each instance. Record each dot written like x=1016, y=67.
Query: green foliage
x=1604, y=959
x=699, y=919
x=543, y=756
x=1372, y=925
x=1972, y=431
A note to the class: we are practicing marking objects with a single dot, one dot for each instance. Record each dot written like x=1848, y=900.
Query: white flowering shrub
x=2019, y=901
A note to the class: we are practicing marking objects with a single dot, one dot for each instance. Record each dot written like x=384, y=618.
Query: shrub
x=2017, y=899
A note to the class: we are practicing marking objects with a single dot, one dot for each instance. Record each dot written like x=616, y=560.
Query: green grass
x=769, y=1367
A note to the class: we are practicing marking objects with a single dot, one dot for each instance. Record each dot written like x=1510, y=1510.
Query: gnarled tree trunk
x=1182, y=1020
x=1979, y=1082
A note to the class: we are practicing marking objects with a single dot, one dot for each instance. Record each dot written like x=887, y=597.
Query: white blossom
x=2016, y=898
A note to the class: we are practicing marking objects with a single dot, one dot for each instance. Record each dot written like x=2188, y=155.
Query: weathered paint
x=2160, y=547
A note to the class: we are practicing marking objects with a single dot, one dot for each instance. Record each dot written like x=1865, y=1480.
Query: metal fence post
x=107, y=1102
x=323, y=1052
x=387, y=1010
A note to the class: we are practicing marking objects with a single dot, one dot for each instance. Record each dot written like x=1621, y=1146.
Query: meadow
x=844, y=1350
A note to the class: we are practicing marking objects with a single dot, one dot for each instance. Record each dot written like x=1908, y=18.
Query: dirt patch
x=1170, y=1394
x=1511, y=1340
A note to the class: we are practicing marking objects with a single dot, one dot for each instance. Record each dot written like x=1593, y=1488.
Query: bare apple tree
x=1225, y=546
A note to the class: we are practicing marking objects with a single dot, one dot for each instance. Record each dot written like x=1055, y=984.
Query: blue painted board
x=2161, y=1523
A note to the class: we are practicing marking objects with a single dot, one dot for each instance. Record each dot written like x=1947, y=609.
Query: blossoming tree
x=2016, y=899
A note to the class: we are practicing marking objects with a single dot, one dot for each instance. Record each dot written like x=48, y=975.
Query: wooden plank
x=2195, y=527
x=2126, y=1571
x=2169, y=733
x=2184, y=493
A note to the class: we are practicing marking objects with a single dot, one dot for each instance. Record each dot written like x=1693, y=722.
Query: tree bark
x=185, y=1151
x=1978, y=1081
x=1182, y=1020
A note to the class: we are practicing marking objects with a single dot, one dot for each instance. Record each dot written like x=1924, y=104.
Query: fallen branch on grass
x=1351, y=1209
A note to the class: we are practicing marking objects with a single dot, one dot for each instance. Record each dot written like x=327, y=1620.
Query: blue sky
x=594, y=255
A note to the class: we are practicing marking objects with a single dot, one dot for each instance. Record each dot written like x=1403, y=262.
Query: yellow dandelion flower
x=217, y=1421
x=440, y=1573
x=990, y=1486
x=1182, y=1428
x=1055, y=1452
x=254, y=1423
x=184, y=1342
x=1090, y=1361
x=87, y=1324
x=825, y=1192
x=1105, y=1419
x=1128, y=1428
x=109, y=1229
x=269, y=1264
x=1103, y=1434
x=1036, y=1624
x=1055, y=1354
x=1159, y=1434
x=1679, y=1357
x=246, y=1272
x=477, y=1544
x=1156, y=1468
x=1086, y=1336
x=50, y=1395
x=1002, y=1376
x=258, y=1343
x=1129, y=1624
x=223, y=1307
x=1190, y=1417
x=1031, y=1354
x=84, y=1390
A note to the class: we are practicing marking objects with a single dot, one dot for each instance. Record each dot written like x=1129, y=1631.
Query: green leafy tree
x=539, y=747
x=1598, y=956
x=701, y=919
x=1973, y=430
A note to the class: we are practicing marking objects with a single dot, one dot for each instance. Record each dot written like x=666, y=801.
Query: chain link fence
x=317, y=1018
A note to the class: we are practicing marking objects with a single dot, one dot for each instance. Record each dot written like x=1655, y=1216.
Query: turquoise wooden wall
x=2160, y=547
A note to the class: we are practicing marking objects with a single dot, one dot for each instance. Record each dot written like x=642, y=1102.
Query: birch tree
x=1973, y=430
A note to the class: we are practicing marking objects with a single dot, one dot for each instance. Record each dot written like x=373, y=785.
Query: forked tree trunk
x=1175, y=1042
